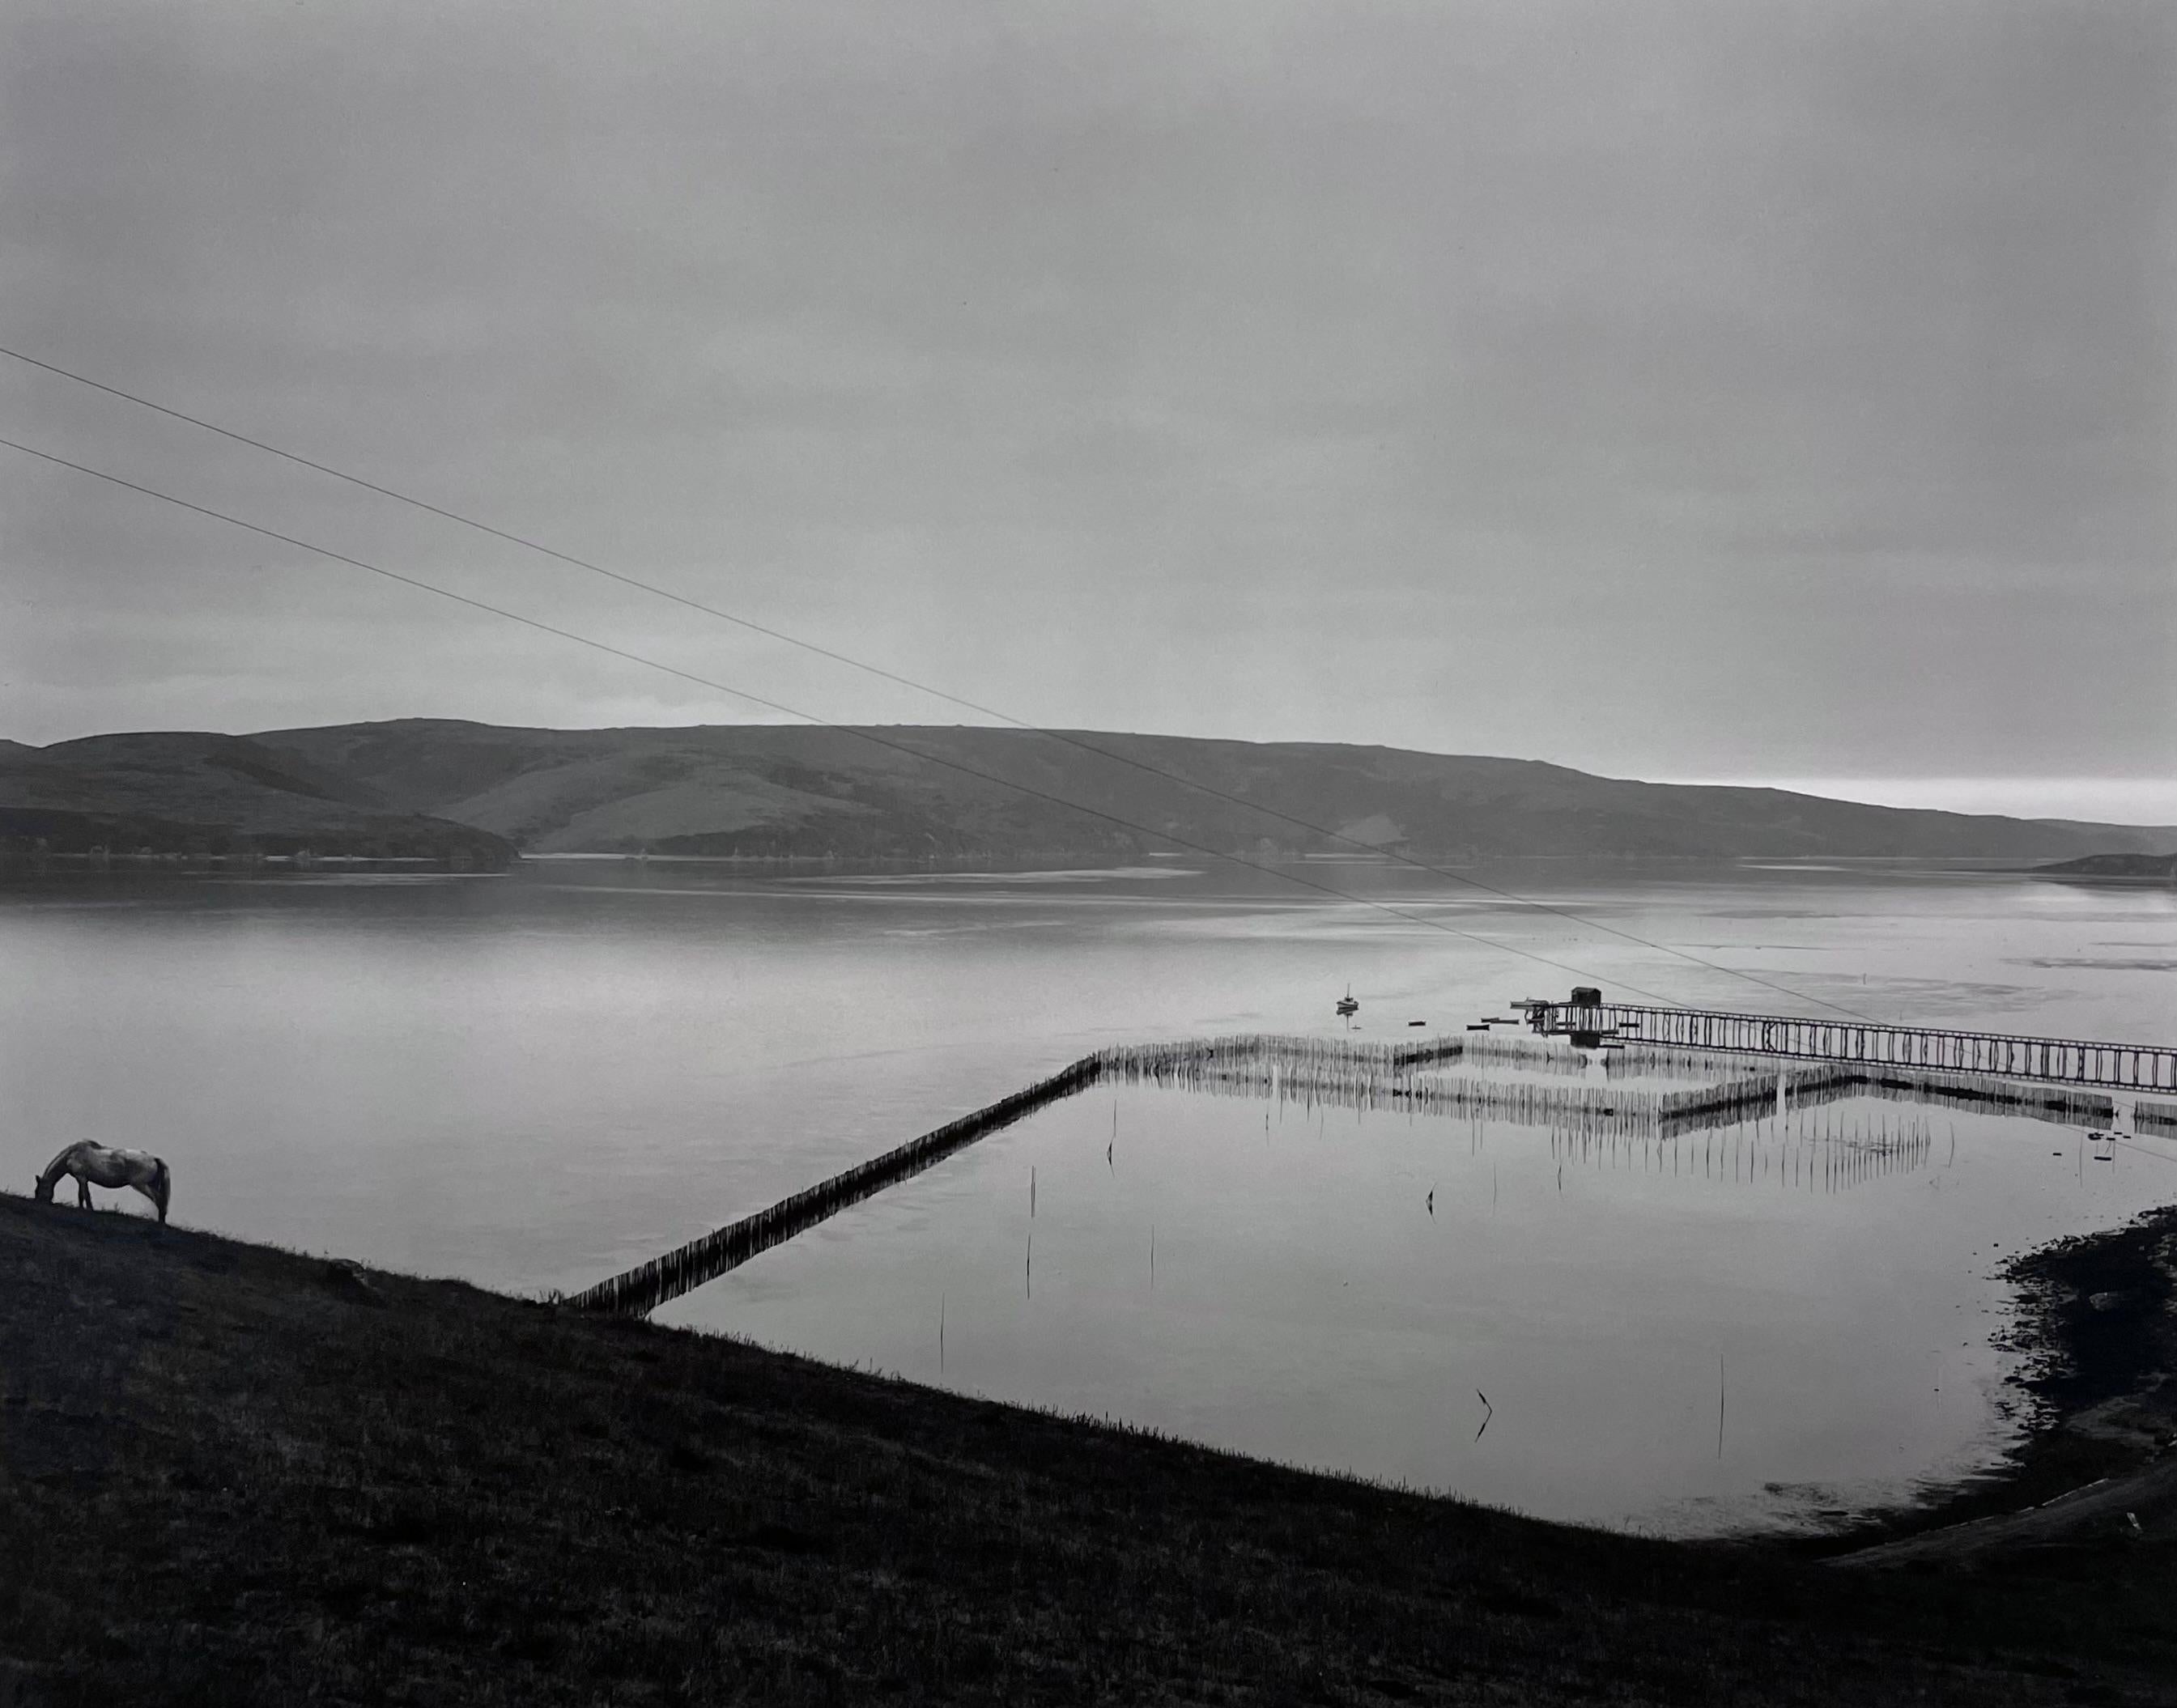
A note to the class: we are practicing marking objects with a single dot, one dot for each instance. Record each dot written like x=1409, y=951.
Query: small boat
x=1346, y=1005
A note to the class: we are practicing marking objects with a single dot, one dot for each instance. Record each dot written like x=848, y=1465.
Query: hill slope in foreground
x=764, y=790
x=237, y=1475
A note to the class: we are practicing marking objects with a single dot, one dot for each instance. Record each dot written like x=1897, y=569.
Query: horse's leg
x=82, y=1194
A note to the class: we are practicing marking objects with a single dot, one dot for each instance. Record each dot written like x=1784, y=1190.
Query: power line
x=900, y=747
x=878, y=670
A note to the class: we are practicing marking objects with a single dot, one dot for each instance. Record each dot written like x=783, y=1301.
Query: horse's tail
x=163, y=1185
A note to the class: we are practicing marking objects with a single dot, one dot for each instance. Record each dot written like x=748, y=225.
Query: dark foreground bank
x=230, y=1475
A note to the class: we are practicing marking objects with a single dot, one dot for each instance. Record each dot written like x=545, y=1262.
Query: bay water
x=536, y=1079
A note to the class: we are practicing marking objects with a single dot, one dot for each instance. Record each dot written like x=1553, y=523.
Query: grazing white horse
x=97, y=1164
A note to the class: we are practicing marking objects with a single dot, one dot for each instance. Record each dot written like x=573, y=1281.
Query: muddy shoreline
x=2096, y=1331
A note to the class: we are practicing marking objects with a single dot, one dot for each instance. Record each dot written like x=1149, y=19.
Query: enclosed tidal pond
x=1565, y=1281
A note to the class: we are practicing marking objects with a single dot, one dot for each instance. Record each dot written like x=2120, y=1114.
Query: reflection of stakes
x=1719, y=1405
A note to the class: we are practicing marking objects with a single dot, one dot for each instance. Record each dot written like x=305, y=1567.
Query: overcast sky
x=1732, y=391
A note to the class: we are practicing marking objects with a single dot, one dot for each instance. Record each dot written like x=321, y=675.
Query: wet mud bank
x=2097, y=1333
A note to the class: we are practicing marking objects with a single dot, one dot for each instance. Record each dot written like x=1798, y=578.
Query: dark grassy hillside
x=234, y=1476
x=768, y=790
x=206, y=794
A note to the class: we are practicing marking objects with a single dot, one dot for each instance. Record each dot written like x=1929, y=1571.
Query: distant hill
x=188, y=794
x=2128, y=866
x=767, y=790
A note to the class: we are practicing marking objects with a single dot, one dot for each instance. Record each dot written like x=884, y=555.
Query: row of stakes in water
x=1322, y=1071
x=644, y=1288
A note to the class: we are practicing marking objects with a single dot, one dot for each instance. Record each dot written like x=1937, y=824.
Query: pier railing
x=2070, y=1062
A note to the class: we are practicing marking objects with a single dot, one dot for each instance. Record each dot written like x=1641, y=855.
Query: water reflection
x=1336, y=1072
x=1336, y=1280
x=536, y=1080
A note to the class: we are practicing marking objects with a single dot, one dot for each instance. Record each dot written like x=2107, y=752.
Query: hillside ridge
x=204, y=794
x=962, y=792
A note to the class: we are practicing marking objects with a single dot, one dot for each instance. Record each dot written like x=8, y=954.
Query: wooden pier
x=2067, y=1060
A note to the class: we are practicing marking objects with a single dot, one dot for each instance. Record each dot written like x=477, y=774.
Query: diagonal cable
x=900, y=747
x=878, y=670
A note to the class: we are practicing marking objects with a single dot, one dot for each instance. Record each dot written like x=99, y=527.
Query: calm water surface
x=534, y=1080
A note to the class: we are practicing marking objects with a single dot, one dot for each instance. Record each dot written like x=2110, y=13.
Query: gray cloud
x=1676, y=389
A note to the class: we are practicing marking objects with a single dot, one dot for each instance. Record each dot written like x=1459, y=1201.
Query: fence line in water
x=1717, y=1105
x=1364, y=1076
x=1953, y=1089
x=1599, y=1112
x=644, y=1288
x=1314, y=1072
x=1184, y=1058
x=1530, y=1054
x=2148, y=1116
x=1635, y=1059
x=1978, y=1092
